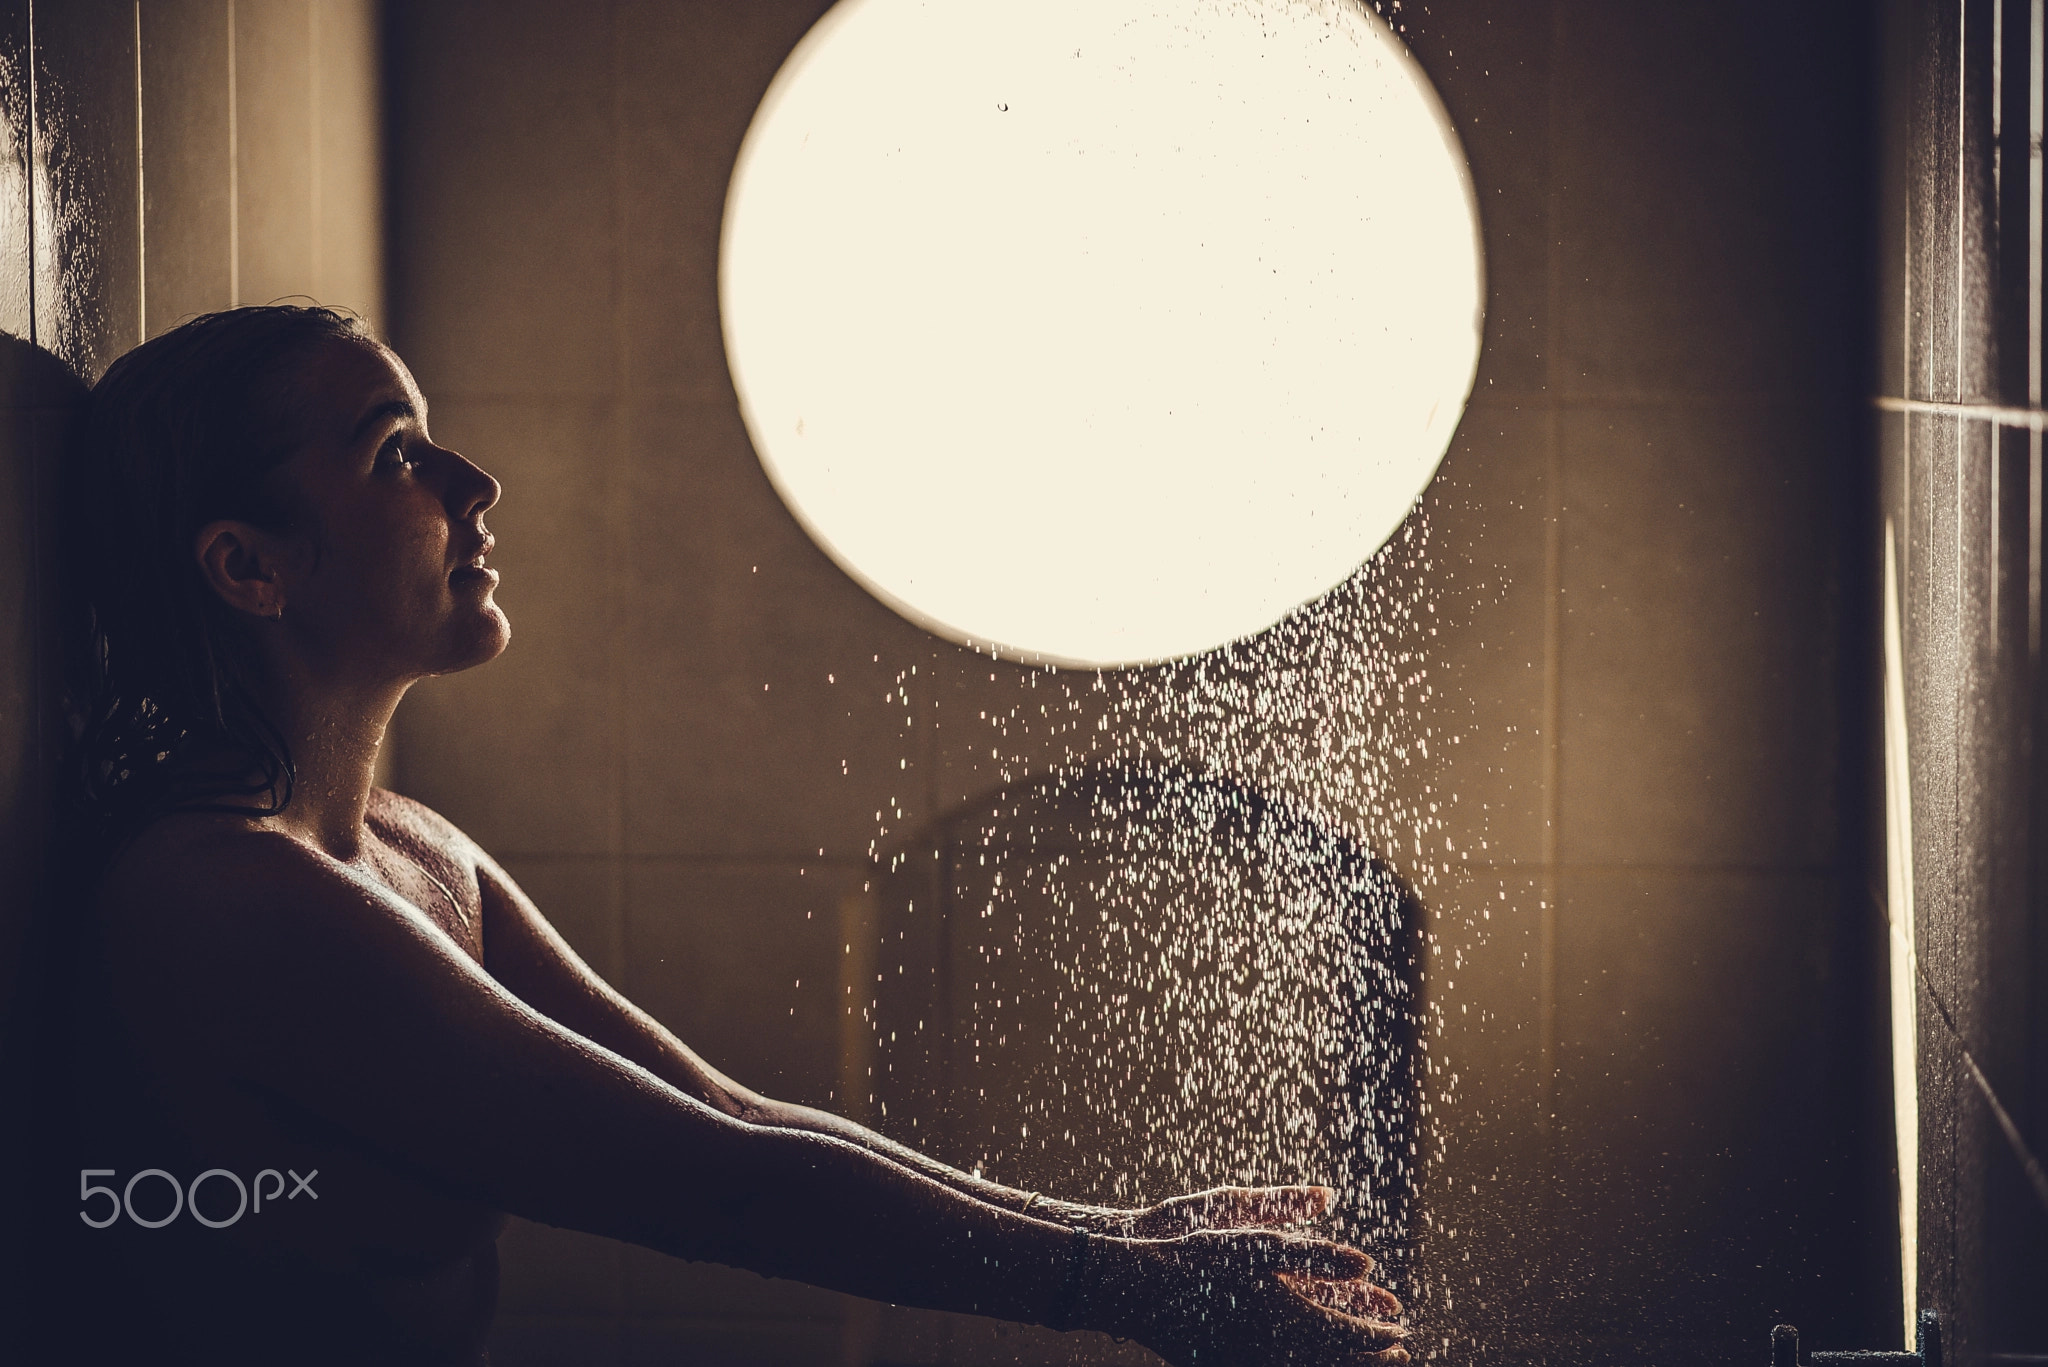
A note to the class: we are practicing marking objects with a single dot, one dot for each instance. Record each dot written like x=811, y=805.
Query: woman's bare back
x=375, y=1244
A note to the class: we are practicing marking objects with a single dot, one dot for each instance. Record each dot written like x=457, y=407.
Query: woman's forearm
x=878, y=1228
x=355, y=1009
x=534, y=962
x=1070, y=1214
x=589, y=1140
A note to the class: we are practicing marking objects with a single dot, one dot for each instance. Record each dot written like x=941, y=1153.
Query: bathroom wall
x=1657, y=1090
x=1962, y=421
x=156, y=160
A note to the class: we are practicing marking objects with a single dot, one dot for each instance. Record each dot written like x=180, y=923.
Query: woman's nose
x=471, y=489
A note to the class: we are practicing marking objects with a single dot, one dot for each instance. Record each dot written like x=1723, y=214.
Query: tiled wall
x=157, y=160
x=1963, y=416
x=1644, y=559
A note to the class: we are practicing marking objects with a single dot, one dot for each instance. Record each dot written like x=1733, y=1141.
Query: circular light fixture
x=1100, y=332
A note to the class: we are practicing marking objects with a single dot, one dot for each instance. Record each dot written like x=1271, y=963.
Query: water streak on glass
x=16, y=304
x=88, y=267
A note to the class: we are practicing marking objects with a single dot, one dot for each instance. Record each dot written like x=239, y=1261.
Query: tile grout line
x=1553, y=587
x=2034, y=205
x=1954, y=814
x=1962, y=174
x=1792, y=399
x=35, y=466
x=234, y=170
x=313, y=145
x=791, y=859
x=1495, y=401
x=1906, y=384
x=1950, y=815
x=2032, y=419
x=34, y=328
x=141, y=200
x=621, y=424
x=1997, y=459
x=40, y=872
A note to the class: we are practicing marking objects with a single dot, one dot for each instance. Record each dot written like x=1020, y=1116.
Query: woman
x=283, y=969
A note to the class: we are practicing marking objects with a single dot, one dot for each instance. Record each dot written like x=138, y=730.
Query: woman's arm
x=526, y=954
x=297, y=974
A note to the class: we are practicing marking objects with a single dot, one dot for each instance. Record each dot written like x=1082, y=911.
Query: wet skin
x=353, y=985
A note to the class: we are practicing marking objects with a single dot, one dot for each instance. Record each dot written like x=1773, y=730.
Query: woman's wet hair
x=188, y=428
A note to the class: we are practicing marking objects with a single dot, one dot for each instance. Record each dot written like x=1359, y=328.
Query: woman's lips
x=476, y=571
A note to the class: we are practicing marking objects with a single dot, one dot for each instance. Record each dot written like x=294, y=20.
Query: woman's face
x=384, y=579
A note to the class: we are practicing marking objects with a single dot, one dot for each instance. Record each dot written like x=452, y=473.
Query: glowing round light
x=1098, y=331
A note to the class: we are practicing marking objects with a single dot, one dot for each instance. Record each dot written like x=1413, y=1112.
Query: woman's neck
x=334, y=732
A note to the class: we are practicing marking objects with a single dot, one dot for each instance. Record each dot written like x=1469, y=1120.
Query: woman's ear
x=244, y=565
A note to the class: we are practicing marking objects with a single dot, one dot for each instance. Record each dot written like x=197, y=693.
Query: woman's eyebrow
x=391, y=408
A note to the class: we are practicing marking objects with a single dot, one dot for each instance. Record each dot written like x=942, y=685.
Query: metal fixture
x=1926, y=1349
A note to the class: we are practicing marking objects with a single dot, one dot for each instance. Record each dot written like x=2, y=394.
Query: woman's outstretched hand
x=1250, y=1298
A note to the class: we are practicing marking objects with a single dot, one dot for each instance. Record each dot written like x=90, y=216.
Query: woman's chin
x=497, y=636
x=481, y=637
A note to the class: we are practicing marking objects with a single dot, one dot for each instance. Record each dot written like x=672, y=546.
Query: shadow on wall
x=1121, y=982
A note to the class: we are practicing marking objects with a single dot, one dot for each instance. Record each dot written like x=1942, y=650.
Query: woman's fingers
x=1373, y=1357
x=1304, y=1295
x=1306, y=1257
x=1354, y=1297
x=1345, y=1338
x=1353, y=1330
x=1350, y=1300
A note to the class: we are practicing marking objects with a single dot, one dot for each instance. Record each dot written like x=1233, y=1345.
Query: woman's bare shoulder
x=437, y=845
x=416, y=819
x=179, y=848
x=198, y=883
x=208, y=867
